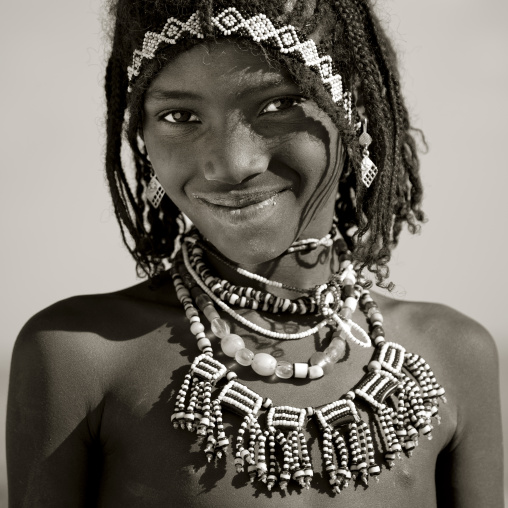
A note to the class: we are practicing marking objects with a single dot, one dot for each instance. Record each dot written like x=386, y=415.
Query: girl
x=274, y=167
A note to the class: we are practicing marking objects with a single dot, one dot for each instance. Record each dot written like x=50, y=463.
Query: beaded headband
x=283, y=38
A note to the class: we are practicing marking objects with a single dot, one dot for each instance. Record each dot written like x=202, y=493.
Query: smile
x=242, y=208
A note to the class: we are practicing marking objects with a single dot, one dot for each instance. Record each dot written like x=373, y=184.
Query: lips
x=240, y=207
x=238, y=200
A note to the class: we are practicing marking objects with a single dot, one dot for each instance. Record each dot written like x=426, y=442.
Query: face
x=252, y=162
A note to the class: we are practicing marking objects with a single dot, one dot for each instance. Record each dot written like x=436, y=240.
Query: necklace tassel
x=343, y=473
x=400, y=387
x=296, y=460
x=308, y=472
x=272, y=467
x=242, y=454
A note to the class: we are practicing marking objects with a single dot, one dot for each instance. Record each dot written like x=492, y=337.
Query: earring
x=154, y=192
x=369, y=169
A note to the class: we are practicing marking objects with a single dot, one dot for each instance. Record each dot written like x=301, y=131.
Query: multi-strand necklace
x=399, y=386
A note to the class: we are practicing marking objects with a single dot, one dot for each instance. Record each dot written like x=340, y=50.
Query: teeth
x=267, y=202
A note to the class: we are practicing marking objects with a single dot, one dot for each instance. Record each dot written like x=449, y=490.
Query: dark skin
x=93, y=378
x=92, y=388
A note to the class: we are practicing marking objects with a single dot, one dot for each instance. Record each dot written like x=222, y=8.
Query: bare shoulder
x=89, y=336
x=443, y=329
x=464, y=358
x=67, y=361
x=460, y=351
x=459, y=344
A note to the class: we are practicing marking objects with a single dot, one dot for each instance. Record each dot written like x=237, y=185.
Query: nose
x=234, y=152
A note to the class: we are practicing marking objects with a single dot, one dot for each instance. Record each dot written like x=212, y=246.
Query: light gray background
x=58, y=234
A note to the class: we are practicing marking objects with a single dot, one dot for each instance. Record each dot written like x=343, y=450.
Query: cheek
x=316, y=159
x=172, y=167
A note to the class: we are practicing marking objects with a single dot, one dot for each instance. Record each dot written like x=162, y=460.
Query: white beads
x=366, y=342
x=301, y=370
x=231, y=343
x=264, y=364
x=315, y=372
x=244, y=357
x=196, y=328
x=241, y=319
x=351, y=303
x=202, y=343
x=284, y=370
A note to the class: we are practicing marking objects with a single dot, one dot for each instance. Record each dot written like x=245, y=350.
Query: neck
x=303, y=269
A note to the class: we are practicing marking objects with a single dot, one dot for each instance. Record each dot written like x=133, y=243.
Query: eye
x=180, y=116
x=282, y=104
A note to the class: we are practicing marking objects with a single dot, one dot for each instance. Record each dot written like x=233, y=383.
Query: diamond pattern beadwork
x=154, y=192
x=260, y=29
x=173, y=30
x=369, y=171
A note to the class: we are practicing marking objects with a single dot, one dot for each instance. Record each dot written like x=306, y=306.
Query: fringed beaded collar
x=399, y=386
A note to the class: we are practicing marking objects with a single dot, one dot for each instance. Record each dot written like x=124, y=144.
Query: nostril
x=208, y=169
x=232, y=152
x=235, y=170
x=217, y=173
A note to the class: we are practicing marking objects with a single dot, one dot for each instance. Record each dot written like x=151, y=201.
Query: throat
x=282, y=277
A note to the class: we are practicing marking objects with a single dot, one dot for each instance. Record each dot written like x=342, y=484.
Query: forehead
x=228, y=65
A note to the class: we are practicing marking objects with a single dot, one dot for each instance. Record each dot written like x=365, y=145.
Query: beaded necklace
x=399, y=386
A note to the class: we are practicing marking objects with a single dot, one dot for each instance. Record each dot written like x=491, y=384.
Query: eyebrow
x=269, y=84
x=162, y=94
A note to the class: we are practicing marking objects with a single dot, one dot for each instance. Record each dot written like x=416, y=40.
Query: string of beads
x=328, y=304
x=259, y=28
x=188, y=283
x=347, y=445
x=271, y=305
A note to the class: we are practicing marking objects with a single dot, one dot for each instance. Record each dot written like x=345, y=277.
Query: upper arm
x=52, y=406
x=469, y=472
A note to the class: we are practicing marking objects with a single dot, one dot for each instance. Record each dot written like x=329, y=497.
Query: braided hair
x=347, y=30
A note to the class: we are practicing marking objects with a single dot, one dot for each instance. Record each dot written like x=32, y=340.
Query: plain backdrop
x=59, y=236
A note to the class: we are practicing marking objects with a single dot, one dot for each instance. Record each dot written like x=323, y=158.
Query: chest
x=149, y=463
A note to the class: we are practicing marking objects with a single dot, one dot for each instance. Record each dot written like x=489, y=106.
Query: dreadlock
x=351, y=33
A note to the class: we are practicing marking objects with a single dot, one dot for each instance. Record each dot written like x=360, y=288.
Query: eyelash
x=295, y=101
x=179, y=111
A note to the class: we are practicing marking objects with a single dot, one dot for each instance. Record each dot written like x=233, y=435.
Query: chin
x=249, y=249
